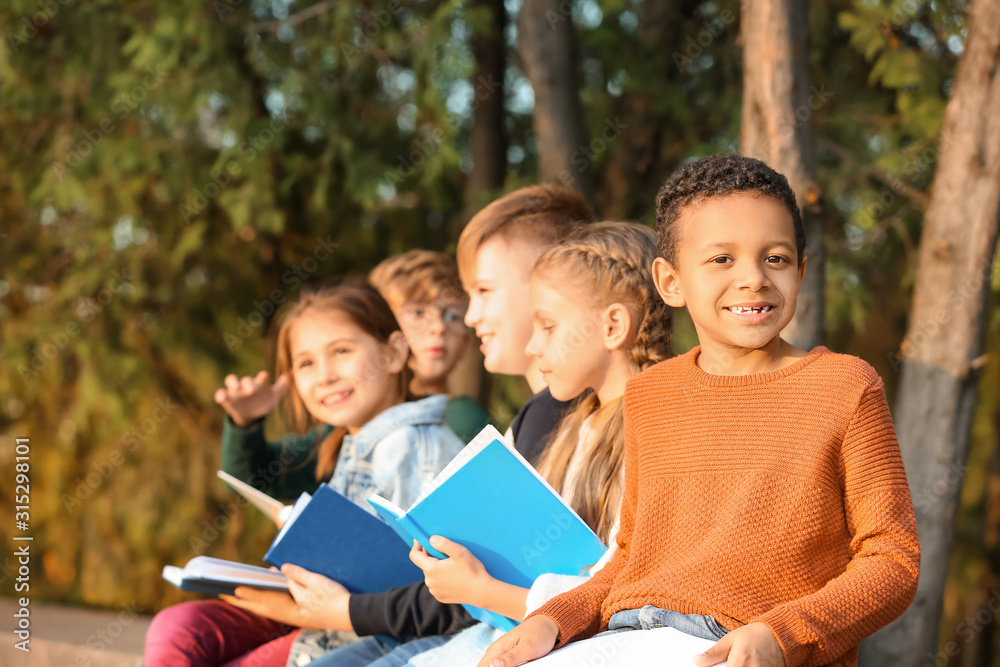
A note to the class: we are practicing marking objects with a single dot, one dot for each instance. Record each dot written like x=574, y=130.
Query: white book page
x=174, y=575
x=222, y=570
x=663, y=647
x=296, y=510
x=257, y=498
x=484, y=438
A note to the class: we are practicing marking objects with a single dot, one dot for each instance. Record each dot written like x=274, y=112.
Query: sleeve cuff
x=567, y=618
x=785, y=625
x=364, y=614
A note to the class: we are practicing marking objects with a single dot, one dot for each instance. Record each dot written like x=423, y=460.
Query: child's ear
x=668, y=283
x=802, y=270
x=616, y=325
x=398, y=350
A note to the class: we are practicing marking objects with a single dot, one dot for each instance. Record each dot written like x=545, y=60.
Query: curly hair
x=717, y=176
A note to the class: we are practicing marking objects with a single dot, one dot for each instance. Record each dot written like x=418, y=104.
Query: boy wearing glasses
x=424, y=292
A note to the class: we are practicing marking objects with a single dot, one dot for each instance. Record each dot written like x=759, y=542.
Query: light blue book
x=491, y=501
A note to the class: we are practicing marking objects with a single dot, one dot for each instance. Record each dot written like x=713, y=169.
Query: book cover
x=490, y=500
x=328, y=534
x=214, y=576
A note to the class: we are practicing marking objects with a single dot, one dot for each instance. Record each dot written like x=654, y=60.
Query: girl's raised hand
x=456, y=578
x=322, y=602
x=250, y=398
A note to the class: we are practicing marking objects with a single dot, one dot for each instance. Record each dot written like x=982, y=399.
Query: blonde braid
x=616, y=258
x=613, y=262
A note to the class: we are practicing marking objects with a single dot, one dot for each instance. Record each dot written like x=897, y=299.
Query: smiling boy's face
x=498, y=303
x=737, y=272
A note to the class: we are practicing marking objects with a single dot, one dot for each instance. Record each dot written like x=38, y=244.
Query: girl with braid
x=597, y=323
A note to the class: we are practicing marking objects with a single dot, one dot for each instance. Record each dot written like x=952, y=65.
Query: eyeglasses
x=419, y=315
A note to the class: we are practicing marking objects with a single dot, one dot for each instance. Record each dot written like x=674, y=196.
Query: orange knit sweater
x=778, y=497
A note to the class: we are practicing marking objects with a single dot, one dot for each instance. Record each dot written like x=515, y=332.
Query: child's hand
x=752, y=645
x=248, y=399
x=275, y=605
x=322, y=602
x=532, y=639
x=457, y=578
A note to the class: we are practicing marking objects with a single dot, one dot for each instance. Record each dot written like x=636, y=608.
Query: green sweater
x=286, y=468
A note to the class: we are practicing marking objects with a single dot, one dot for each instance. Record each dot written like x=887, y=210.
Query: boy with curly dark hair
x=765, y=505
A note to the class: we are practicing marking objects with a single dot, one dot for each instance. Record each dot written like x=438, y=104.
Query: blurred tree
x=547, y=44
x=942, y=350
x=778, y=103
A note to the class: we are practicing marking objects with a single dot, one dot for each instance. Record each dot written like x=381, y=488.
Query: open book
x=491, y=501
x=325, y=533
x=664, y=647
x=214, y=576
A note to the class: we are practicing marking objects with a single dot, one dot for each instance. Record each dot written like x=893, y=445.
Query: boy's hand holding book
x=248, y=399
x=322, y=601
x=275, y=605
x=752, y=645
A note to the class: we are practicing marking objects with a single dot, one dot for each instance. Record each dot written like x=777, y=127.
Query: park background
x=170, y=171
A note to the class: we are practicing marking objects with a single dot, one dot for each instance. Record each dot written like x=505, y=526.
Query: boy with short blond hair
x=765, y=504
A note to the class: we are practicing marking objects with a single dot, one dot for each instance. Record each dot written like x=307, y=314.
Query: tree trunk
x=488, y=139
x=547, y=45
x=942, y=348
x=777, y=106
x=488, y=143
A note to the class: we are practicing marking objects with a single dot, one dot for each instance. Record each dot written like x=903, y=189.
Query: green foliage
x=170, y=170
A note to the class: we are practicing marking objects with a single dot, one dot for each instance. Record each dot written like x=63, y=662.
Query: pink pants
x=210, y=633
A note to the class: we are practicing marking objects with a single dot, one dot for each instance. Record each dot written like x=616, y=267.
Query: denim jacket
x=397, y=453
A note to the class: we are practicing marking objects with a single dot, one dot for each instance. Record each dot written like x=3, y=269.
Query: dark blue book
x=491, y=501
x=330, y=535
